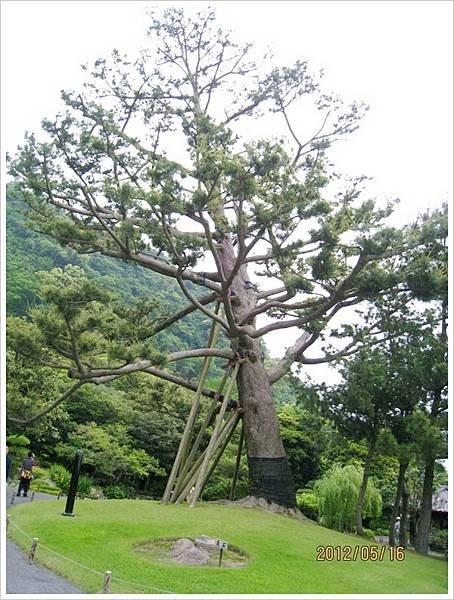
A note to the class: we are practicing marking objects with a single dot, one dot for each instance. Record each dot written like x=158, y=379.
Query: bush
x=42, y=486
x=118, y=492
x=369, y=534
x=61, y=476
x=307, y=502
x=40, y=473
x=438, y=540
x=84, y=485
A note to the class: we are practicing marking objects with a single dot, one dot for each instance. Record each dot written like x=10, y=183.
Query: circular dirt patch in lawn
x=187, y=551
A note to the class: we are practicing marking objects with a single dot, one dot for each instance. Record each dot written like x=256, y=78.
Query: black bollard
x=73, y=485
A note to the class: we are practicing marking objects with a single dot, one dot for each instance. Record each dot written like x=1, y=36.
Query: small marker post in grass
x=7, y=522
x=31, y=554
x=222, y=545
x=33, y=497
x=106, y=583
x=13, y=497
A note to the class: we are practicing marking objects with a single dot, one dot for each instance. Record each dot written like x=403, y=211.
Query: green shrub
x=369, y=534
x=438, y=540
x=40, y=473
x=307, y=502
x=42, y=486
x=61, y=476
x=84, y=485
x=117, y=491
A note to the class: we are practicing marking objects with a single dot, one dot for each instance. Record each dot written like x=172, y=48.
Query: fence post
x=33, y=497
x=13, y=496
x=31, y=554
x=106, y=583
x=7, y=522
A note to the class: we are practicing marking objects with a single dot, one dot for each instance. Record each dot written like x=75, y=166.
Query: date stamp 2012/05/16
x=364, y=553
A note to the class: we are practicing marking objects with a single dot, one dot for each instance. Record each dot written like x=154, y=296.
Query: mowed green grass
x=282, y=551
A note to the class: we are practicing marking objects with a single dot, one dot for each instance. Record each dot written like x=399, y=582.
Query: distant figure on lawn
x=397, y=527
x=26, y=473
x=9, y=463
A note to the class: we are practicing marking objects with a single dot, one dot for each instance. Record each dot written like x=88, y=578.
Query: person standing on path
x=26, y=473
x=9, y=463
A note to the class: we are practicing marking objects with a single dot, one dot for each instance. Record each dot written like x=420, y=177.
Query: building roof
x=440, y=499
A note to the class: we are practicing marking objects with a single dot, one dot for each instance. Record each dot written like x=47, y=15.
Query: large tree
x=164, y=162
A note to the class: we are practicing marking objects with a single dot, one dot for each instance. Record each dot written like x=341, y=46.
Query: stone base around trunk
x=272, y=507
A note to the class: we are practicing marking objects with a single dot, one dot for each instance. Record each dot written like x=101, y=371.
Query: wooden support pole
x=191, y=478
x=237, y=463
x=221, y=451
x=217, y=429
x=190, y=459
x=106, y=582
x=31, y=554
x=185, y=440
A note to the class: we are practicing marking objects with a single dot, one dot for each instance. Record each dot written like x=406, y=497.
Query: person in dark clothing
x=26, y=473
x=9, y=463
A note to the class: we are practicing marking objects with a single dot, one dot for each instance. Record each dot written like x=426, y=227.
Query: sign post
x=222, y=545
x=73, y=485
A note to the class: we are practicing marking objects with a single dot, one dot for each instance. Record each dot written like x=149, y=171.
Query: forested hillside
x=28, y=253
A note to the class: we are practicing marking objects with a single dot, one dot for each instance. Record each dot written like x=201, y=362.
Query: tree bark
x=269, y=471
x=403, y=520
x=362, y=490
x=270, y=476
x=425, y=514
x=395, y=510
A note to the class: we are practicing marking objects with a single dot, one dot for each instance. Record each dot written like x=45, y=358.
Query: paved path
x=25, y=578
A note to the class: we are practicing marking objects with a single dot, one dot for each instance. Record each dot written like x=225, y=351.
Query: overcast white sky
x=396, y=56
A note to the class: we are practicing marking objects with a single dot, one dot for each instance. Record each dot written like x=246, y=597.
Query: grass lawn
x=282, y=551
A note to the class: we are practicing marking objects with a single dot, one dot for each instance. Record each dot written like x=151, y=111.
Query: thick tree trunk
x=403, y=520
x=425, y=513
x=269, y=471
x=362, y=490
x=395, y=510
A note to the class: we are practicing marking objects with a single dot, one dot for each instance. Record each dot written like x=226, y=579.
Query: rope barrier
x=75, y=562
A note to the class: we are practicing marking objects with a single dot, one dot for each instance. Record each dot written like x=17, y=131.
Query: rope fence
x=106, y=576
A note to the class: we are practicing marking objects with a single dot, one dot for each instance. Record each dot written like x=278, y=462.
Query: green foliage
x=117, y=491
x=308, y=503
x=108, y=453
x=84, y=485
x=369, y=534
x=337, y=492
x=303, y=449
x=61, y=476
x=39, y=485
x=40, y=473
x=17, y=441
x=439, y=540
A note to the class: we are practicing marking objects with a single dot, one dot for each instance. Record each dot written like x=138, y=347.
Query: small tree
x=338, y=492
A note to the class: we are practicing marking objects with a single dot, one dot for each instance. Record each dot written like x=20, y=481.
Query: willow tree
x=165, y=162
